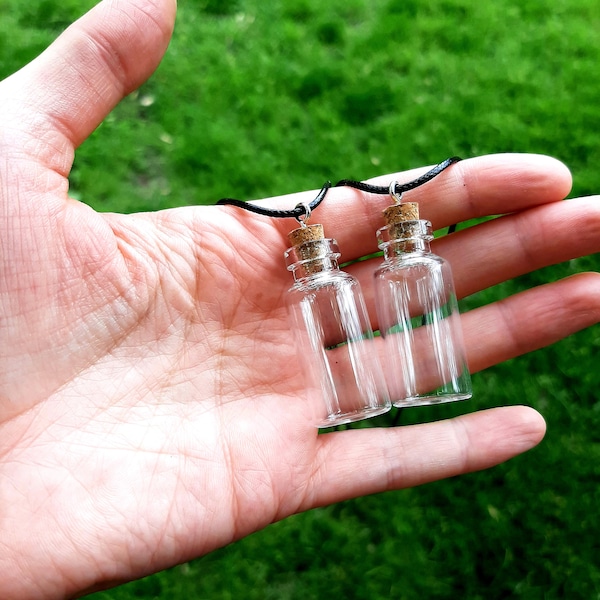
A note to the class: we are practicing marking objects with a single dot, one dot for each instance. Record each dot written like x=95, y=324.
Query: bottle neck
x=400, y=247
x=405, y=238
x=312, y=257
x=310, y=268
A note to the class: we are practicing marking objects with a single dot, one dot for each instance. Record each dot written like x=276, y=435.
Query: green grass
x=262, y=98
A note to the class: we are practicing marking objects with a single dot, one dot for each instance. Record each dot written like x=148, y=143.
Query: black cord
x=400, y=188
x=304, y=209
x=300, y=210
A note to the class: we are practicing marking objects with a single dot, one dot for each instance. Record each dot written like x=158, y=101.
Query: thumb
x=78, y=80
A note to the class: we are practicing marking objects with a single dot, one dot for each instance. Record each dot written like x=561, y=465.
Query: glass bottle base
x=351, y=417
x=431, y=399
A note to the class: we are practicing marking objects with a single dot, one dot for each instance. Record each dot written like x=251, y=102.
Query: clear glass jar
x=339, y=352
x=425, y=358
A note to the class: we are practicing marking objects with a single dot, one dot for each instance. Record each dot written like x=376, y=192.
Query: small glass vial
x=340, y=355
x=418, y=314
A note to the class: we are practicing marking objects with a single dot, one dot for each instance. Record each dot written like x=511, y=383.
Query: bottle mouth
x=404, y=231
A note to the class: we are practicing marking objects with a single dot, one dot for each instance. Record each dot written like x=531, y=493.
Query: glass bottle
x=418, y=314
x=339, y=352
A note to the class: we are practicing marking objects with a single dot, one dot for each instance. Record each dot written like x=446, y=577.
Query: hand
x=150, y=406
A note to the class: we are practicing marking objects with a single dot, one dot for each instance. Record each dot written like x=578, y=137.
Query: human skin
x=151, y=409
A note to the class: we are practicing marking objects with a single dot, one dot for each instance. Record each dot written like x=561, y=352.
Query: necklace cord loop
x=394, y=194
x=305, y=216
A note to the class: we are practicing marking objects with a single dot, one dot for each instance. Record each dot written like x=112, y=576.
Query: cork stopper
x=402, y=220
x=310, y=253
x=399, y=213
x=310, y=233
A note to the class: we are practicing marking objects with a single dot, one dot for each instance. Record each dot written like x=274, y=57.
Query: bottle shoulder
x=412, y=261
x=325, y=280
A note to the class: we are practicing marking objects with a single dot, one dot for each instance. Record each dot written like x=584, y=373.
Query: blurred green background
x=260, y=98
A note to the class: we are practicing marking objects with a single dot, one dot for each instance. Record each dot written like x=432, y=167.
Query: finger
x=367, y=461
x=531, y=320
x=490, y=185
x=487, y=185
x=526, y=321
x=101, y=58
x=504, y=248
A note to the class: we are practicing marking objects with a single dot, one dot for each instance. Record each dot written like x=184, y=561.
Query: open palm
x=151, y=406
